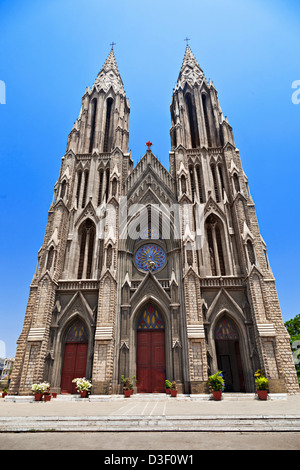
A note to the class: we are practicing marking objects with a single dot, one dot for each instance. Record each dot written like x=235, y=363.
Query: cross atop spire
x=187, y=40
x=112, y=45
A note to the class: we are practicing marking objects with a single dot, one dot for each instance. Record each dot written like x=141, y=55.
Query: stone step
x=258, y=423
x=148, y=397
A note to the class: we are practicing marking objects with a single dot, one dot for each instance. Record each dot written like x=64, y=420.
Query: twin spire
x=109, y=75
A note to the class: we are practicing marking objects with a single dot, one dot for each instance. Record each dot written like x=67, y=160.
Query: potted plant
x=216, y=384
x=127, y=386
x=39, y=389
x=4, y=392
x=83, y=386
x=47, y=392
x=168, y=386
x=173, y=389
x=262, y=385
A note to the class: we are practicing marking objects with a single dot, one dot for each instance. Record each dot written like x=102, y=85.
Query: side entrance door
x=151, y=361
x=74, y=365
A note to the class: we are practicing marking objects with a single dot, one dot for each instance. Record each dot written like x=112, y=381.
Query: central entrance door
x=228, y=356
x=75, y=357
x=151, y=364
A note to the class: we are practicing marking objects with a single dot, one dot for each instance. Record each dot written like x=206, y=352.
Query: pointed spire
x=109, y=75
x=190, y=71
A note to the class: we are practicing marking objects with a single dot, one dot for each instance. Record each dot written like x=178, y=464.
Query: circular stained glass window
x=150, y=257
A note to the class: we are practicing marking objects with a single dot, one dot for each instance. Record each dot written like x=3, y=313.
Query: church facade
x=148, y=272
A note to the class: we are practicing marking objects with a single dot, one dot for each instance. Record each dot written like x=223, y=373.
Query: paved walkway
x=155, y=421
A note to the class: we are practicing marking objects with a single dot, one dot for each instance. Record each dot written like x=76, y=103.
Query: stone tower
x=149, y=272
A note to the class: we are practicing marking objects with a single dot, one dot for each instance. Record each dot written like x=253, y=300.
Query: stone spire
x=190, y=71
x=109, y=76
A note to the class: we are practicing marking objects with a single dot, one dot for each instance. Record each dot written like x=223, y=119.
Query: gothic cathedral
x=148, y=272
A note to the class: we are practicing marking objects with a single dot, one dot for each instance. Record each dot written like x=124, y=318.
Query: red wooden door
x=74, y=365
x=151, y=361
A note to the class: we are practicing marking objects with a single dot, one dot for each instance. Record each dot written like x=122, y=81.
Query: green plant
x=262, y=383
x=168, y=384
x=127, y=382
x=259, y=373
x=216, y=381
x=82, y=384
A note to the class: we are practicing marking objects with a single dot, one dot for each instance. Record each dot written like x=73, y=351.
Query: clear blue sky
x=52, y=50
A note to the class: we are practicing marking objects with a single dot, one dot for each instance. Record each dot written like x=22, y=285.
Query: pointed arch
x=206, y=120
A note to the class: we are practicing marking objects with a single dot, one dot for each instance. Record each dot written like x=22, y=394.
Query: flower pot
x=173, y=393
x=4, y=394
x=217, y=394
x=38, y=396
x=54, y=394
x=127, y=393
x=262, y=394
x=47, y=397
x=168, y=391
x=83, y=393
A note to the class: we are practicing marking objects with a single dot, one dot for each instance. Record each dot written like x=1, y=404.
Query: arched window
x=100, y=187
x=86, y=180
x=191, y=170
x=87, y=241
x=107, y=143
x=114, y=187
x=107, y=185
x=200, y=184
x=79, y=178
x=220, y=169
x=215, y=246
x=251, y=253
x=93, y=123
x=183, y=184
x=216, y=184
x=206, y=121
x=63, y=189
x=50, y=258
x=236, y=182
x=191, y=111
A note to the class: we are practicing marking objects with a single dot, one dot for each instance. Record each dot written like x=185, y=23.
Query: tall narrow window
x=216, y=186
x=183, y=184
x=251, y=254
x=50, y=258
x=200, y=184
x=192, y=121
x=107, y=144
x=86, y=180
x=79, y=178
x=204, y=104
x=87, y=240
x=214, y=230
x=100, y=187
x=107, y=185
x=220, y=251
x=211, y=252
x=192, y=183
x=236, y=182
x=93, y=123
x=63, y=189
x=221, y=179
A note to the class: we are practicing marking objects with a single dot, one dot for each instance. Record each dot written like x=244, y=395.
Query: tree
x=293, y=328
